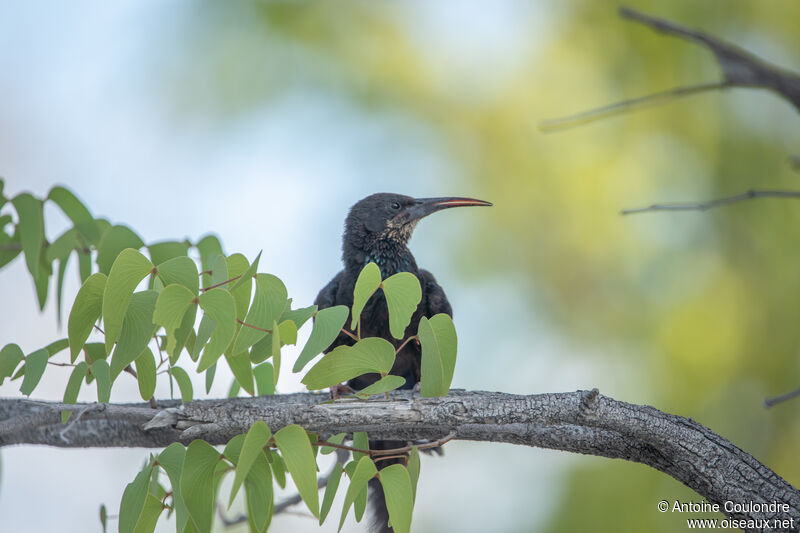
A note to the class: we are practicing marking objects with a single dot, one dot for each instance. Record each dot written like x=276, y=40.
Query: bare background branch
x=740, y=68
x=718, y=202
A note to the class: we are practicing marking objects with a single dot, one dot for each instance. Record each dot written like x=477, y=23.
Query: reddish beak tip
x=459, y=202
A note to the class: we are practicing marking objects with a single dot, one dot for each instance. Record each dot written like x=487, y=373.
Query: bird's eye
x=395, y=206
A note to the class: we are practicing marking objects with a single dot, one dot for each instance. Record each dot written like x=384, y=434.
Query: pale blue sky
x=80, y=106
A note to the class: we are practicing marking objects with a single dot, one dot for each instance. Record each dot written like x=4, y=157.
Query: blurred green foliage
x=703, y=307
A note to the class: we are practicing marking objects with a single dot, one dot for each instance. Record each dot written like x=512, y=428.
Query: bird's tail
x=377, y=500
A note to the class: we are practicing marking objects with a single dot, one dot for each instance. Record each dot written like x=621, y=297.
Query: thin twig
x=349, y=334
x=632, y=104
x=90, y=407
x=388, y=457
x=160, y=353
x=129, y=369
x=397, y=351
x=393, y=451
x=245, y=324
x=220, y=284
x=770, y=402
x=748, y=195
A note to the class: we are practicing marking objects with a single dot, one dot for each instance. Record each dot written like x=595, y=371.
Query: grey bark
x=580, y=422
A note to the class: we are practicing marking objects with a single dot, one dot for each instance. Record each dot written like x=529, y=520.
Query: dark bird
x=377, y=230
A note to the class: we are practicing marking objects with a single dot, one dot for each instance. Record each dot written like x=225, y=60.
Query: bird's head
x=390, y=219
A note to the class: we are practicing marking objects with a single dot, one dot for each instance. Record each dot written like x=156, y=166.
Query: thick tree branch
x=740, y=68
x=581, y=422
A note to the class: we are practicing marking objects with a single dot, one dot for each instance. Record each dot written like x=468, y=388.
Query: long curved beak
x=426, y=206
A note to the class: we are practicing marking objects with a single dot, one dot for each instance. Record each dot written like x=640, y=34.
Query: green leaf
x=360, y=505
x=76, y=211
x=94, y=351
x=330, y=491
x=335, y=439
x=220, y=307
x=164, y=251
x=364, y=471
x=102, y=374
x=268, y=304
x=84, y=266
x=42, y=280
x=133, y=500
x=31, y=231
x=264, y=375
x=413, y=469
x=35, y=363
x=258, y=486
x=288, y=332
x=14, y=247
x=203, y=334
x=237, y=266
x=180, y=270
x=171, y=306
x=437, y=336
x=242, y=370
x=248, y=274
x=184, y=383
x=103, y=517
x=327, y=325
x=276, y=352
x=367, y=283
x=57, y=346
x=184, y=335
x=360, y=441
x=210, y=373
x=62, y=270
x=254, y=442
x=171, y=460
x=129, y=268
x=403, y=295
x=209, y=248
x=150, y=513
x=146, y=373
x=262, y=349
x=278, y=468
x=137, y=331
x=73, y=387
x=234, y=448
x=63, y=246
x=372, y=354
x=233, y=392
x=295, y=448
x=298, y=316
x=385, y=384
x=10, y=357
x=399, y=496
x=197, y=483
x=114, y=240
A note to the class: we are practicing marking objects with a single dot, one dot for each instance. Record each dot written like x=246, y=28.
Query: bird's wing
x=436, y=299
x=327, y=296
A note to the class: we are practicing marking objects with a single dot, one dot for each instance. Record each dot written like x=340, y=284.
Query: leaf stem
x=242, y=322
x=397, y=351
x=349, y=334
x=220, y=284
